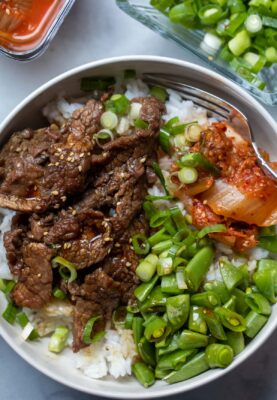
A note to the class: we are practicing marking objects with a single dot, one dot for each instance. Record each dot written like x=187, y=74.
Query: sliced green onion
x=103, y=136
x=256, y=61
x=7, y=286
x=10, y=313
x=240, y=43
x=253, y=23
x=59, y=294
x=147, y=268
x=159, y=218
x=271, y=22
x=158, y=172
x=109, y=120
x=271, y=54
x=211, y=229
x=162, y=246
x=140, y=244
x=89, y=84
x=193, y=133
x=164, y=140
x=158, y=92
x=58, y=339
x=180, y=278
x=210, y=14
x=165, y=266
x=27, y=331
x=87, y=339
x=141, y=124
x=211, y=43
x=135, y=110
x=67, y=270
x=197, y=160
x=118, y=103
x=188, y=175
x=158, y=237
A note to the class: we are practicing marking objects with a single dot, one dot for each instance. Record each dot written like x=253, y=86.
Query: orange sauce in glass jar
x=24, y=23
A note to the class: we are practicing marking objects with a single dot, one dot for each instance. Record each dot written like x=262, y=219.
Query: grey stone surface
x=96, y=29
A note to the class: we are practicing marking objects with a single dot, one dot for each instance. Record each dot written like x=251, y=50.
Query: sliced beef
x=34, y=286
x=40, y=169
x=104, y=289
x=99, y=295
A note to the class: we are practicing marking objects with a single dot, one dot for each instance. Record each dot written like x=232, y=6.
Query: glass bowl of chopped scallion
x=238, y=38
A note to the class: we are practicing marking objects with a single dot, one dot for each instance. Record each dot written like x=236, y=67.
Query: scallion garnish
x=139, y=123
x=140, y=244
x=87, y=339
x=67, y=270
x=58, y=339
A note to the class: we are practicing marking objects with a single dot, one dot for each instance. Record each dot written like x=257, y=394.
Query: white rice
x=115, y=352
x=113, y=355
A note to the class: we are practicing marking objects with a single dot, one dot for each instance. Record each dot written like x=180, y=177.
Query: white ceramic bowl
x=27, y=114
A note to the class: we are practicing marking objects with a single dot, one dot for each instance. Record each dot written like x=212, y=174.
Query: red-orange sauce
x=24, y=23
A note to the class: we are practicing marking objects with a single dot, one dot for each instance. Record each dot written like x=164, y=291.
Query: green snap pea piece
x=231, y=304
x=269, y=243
x=161, y=373
x=265, y=282
x=231, y=275
x=175, y=360
x=197, y=321
x=215, y=327
x=155, y=329
x=171, y=346
x=206, y=299
x=241, y=305
x=198, y=267
x=147, y=352
x=219, y=288
x=245, y=276
x=169, y=284
x=254, y=323
x=230, y=319
x=143, y=374
x=177, y=310
x=155, y=302
x=236, y=341
x=267, y=264
x=195, y=366
x=258, y=303
x=137, y=329
x=144, y=289
x=192, y=340
x=219, y=355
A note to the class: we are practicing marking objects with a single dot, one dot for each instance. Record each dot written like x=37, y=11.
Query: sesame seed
x=107, y=239
x=55, y=193
x=56, y=206
x=59, y=149
x=80, y=168
x=8, y=11
x=39, y=275
x=142, y=160
x=61, y=157
x=71, y=154
x=45, y=233
x=57, y=164
x=50, y=165
x=117, y=245
x=82, y=155
x=128, y=264
x=74, y=212
x=63, y=198
x=68, y=159
x=18, y=149
x=56, y=154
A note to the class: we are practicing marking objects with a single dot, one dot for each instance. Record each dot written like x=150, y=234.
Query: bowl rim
x=170, y=389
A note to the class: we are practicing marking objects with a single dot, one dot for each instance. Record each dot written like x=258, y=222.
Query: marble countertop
x=96, y=29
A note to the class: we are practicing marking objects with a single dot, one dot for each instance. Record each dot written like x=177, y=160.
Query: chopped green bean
x=195, y=366
x=198, y=267
x=197, y=321
x=206, y=299
x=192, y=340
x=236, y=341
x=219, y=355
x=215, y=326
x=230, y=319
x=254, y=323
x=177, y=310
x=143, y=374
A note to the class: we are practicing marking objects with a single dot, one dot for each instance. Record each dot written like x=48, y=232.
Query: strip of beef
x=39, y=169
x=104, y=289
x=34, y=287
x=121, y=184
